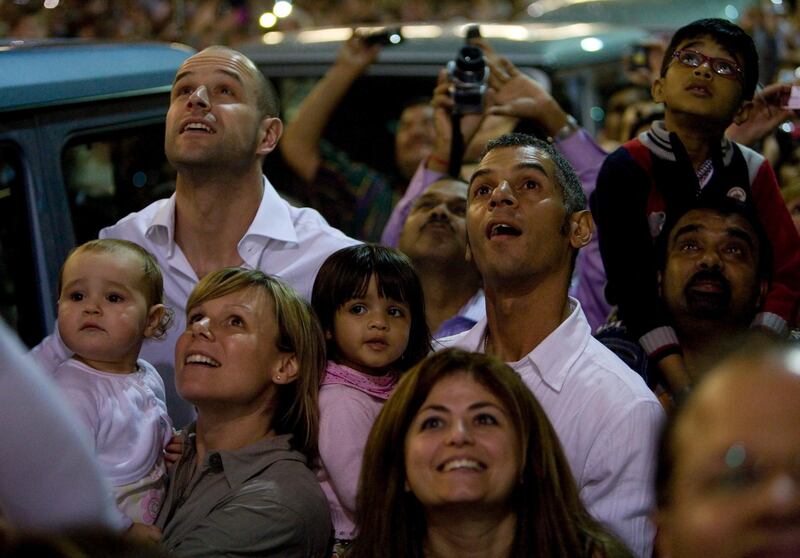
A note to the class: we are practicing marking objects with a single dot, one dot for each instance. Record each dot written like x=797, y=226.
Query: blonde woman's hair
x=299, y=332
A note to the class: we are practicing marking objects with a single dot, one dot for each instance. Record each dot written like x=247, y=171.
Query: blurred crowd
x=204, y=22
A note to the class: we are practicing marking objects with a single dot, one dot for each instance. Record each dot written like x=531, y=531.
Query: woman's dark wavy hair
x=297, y=408
x=551, y=519
x=345, y=275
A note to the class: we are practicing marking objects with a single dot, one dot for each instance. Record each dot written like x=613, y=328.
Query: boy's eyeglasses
x=720, y=66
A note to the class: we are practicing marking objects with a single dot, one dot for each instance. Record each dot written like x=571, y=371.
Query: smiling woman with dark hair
x=250, y=360
x=462, y=461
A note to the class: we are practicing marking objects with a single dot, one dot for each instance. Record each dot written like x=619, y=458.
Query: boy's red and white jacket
x=649, y=180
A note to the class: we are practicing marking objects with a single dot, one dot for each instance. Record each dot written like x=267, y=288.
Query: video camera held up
x=468, y=74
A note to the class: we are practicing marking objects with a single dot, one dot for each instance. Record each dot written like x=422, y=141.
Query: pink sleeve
x=346, y=417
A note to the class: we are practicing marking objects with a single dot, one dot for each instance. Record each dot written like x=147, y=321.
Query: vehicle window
x=16, y=256
x=112, y=174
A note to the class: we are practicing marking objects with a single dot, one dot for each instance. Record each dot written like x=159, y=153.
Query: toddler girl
x=369, y=301
x=110, y=300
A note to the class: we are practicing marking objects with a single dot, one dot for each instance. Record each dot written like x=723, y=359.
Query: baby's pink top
x=349, y=403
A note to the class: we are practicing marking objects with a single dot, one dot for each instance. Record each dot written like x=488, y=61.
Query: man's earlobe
x=270, y=132
x=763, y=287
x=743, y=113
x=581, y=228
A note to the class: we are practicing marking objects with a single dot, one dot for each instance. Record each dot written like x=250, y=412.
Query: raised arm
x=300, y=141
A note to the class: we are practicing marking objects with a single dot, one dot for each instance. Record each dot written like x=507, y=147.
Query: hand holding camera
x=468, y=75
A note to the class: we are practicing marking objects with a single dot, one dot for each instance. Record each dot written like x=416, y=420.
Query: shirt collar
x=475, y=308
x=658, y=140
x=554, y=357
x=272, y=220
x=244, y=463
x=161, y=229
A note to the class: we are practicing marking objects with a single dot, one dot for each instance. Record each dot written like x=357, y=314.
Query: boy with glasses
x=708, y=78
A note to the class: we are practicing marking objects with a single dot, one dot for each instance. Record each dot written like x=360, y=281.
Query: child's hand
x=174, y=449
x=143, y=533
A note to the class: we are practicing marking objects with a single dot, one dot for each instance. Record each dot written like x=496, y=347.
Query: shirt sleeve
x=419, y=183
x=780, y=303
x=620, y=488
x=48, y=476
x=345, y=423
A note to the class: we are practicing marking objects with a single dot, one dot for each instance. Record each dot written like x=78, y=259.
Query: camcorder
x=468, y=74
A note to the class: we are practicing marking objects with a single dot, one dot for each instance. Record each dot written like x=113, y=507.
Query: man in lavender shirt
x=434, y=237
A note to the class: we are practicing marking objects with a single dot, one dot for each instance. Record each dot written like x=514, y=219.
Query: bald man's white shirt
x=285, y=241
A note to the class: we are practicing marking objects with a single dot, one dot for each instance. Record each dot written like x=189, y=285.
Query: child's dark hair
x=731, y=37
x=345, y=275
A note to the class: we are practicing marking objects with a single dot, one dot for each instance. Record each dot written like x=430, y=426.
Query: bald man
x=221, y=124
x=728, y=480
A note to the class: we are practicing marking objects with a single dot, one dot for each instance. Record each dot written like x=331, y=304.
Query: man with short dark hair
x=526, y=220
x=714, y=268
x=714, y=276
x=434, y=237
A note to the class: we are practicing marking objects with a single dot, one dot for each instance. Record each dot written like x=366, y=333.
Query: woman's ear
x=154, y=316
x=287, y=369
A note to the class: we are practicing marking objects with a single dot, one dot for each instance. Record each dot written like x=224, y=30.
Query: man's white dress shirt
x=285, y=241
x=606, y=418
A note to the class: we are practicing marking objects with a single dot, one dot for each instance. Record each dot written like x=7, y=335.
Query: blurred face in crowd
x=461, y=447
x=214, y=118
x=711, y=271
x=735, y=489
x=435, y=228
x=516, y=219
x=414, y=138
x=618, y=102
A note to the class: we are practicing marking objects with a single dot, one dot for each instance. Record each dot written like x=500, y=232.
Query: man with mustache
x=714, y=275
x=351, y=195
x=434, y=238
